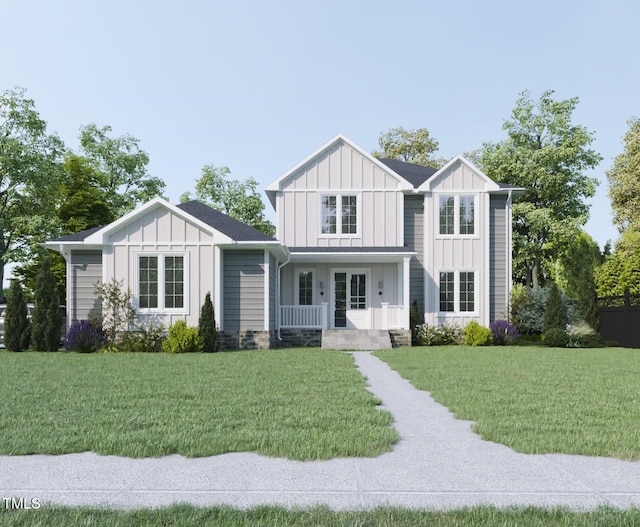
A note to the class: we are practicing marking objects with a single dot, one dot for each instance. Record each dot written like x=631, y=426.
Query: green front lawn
x=270, y=516
x=296, y=403
x=532, y=399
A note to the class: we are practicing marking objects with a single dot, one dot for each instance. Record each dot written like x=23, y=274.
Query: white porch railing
x=304, y=316
x=392, y=316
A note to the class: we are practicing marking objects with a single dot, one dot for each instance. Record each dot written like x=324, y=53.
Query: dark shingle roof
x=236, y=230
x=414, y=174
x=78, y=236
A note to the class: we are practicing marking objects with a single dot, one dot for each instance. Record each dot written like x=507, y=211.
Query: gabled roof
x=277, y=184
x=195, y=212
x=490, y=184
x=414, y=174
x=234, y=229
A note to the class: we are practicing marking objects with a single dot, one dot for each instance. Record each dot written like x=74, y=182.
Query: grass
x=535, y=400
x=296, y=403
x=268, y=516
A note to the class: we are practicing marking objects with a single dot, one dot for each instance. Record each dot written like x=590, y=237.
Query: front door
x=351, y=299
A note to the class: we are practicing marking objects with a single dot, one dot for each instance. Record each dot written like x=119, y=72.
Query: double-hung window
x=457, y=215
x=161, y=281
x=339, y=214
x=457, y=291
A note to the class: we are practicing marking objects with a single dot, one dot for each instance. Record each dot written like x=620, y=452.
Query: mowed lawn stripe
x=294, y=403
x=533, y=399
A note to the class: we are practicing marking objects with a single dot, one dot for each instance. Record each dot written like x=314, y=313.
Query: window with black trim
x=305, y=288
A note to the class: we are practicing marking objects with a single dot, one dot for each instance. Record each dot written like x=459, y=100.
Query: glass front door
x=350, y=309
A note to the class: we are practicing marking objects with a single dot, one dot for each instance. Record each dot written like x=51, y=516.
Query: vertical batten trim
x=487, y=261
x=266, y=280
x=217, y=286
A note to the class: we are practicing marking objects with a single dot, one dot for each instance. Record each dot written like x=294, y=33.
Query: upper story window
x=457, y=215
x=161, y=281
x=339, y=214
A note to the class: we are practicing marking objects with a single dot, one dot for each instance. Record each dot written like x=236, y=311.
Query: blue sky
x=257, y=86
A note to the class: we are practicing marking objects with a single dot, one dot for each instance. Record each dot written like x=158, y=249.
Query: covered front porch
x=338, y=289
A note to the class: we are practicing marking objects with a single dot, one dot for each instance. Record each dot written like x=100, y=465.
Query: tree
x=575, y=274
x=118, y=313
x=554, y=316
x=412, y=146
x=238, y=199
x=624, y=181
x=621, y=270
x=46, y=320
x=207, y=327
x=83, y=204
x=547, y=155
x=16, y=323
x=121, y=168
x=30, y=179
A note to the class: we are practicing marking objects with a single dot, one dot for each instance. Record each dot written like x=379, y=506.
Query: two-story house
x=358, y=240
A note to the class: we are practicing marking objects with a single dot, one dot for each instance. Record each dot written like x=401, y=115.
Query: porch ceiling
x=360, y=255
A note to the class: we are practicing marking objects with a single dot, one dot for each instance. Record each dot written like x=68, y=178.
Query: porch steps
x=356, y=339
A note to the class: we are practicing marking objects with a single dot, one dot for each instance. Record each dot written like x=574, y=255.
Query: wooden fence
x=620, y=319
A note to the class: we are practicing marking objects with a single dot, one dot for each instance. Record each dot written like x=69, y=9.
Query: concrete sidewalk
x=439, y=463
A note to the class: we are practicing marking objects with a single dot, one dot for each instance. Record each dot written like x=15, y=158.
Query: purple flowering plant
x=504, y=332
x=84, y=337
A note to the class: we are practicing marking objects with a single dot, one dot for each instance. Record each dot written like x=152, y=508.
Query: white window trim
x=339, y=195
x=456, y=215
x=296, y=275
x=184, y=310
x=456, y=292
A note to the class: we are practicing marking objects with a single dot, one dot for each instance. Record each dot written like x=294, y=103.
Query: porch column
x=217, y=285
x=325, y=315
x=405, y=293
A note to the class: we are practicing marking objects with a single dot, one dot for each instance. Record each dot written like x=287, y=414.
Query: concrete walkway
x=439, y=463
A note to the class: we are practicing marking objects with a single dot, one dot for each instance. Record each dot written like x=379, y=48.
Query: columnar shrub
x=46, y=321
x=503, y=332
x=84, y=337
x=477, y=335
x=207, y=327
x=415, y=320
x=16, y=323
x=555, y=337
x=554, y=314
x=182, y=339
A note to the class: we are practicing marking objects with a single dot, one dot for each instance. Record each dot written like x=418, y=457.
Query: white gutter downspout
x=508, y=251
x=278, y=294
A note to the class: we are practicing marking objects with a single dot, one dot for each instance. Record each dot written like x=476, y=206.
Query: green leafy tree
x=547, y=155
x=30, y=179
x=121, y=168
x=46, y=320
x=621, y=270
x=207, y=327
x=237, y=199
x=575, y=274
x=554, y=315
x=83, y=204
x=624, y=181
x=412, y=146
x=118, y=314
x=16, y=323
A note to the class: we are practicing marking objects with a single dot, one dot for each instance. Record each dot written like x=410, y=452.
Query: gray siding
x=414, y=241
x=85, y=270
x=243, y=285
x=273, y=267
x=497, y=258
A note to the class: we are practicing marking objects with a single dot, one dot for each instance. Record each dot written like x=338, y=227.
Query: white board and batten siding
x=340, y=170
x=162, y=232
x=457, y=253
